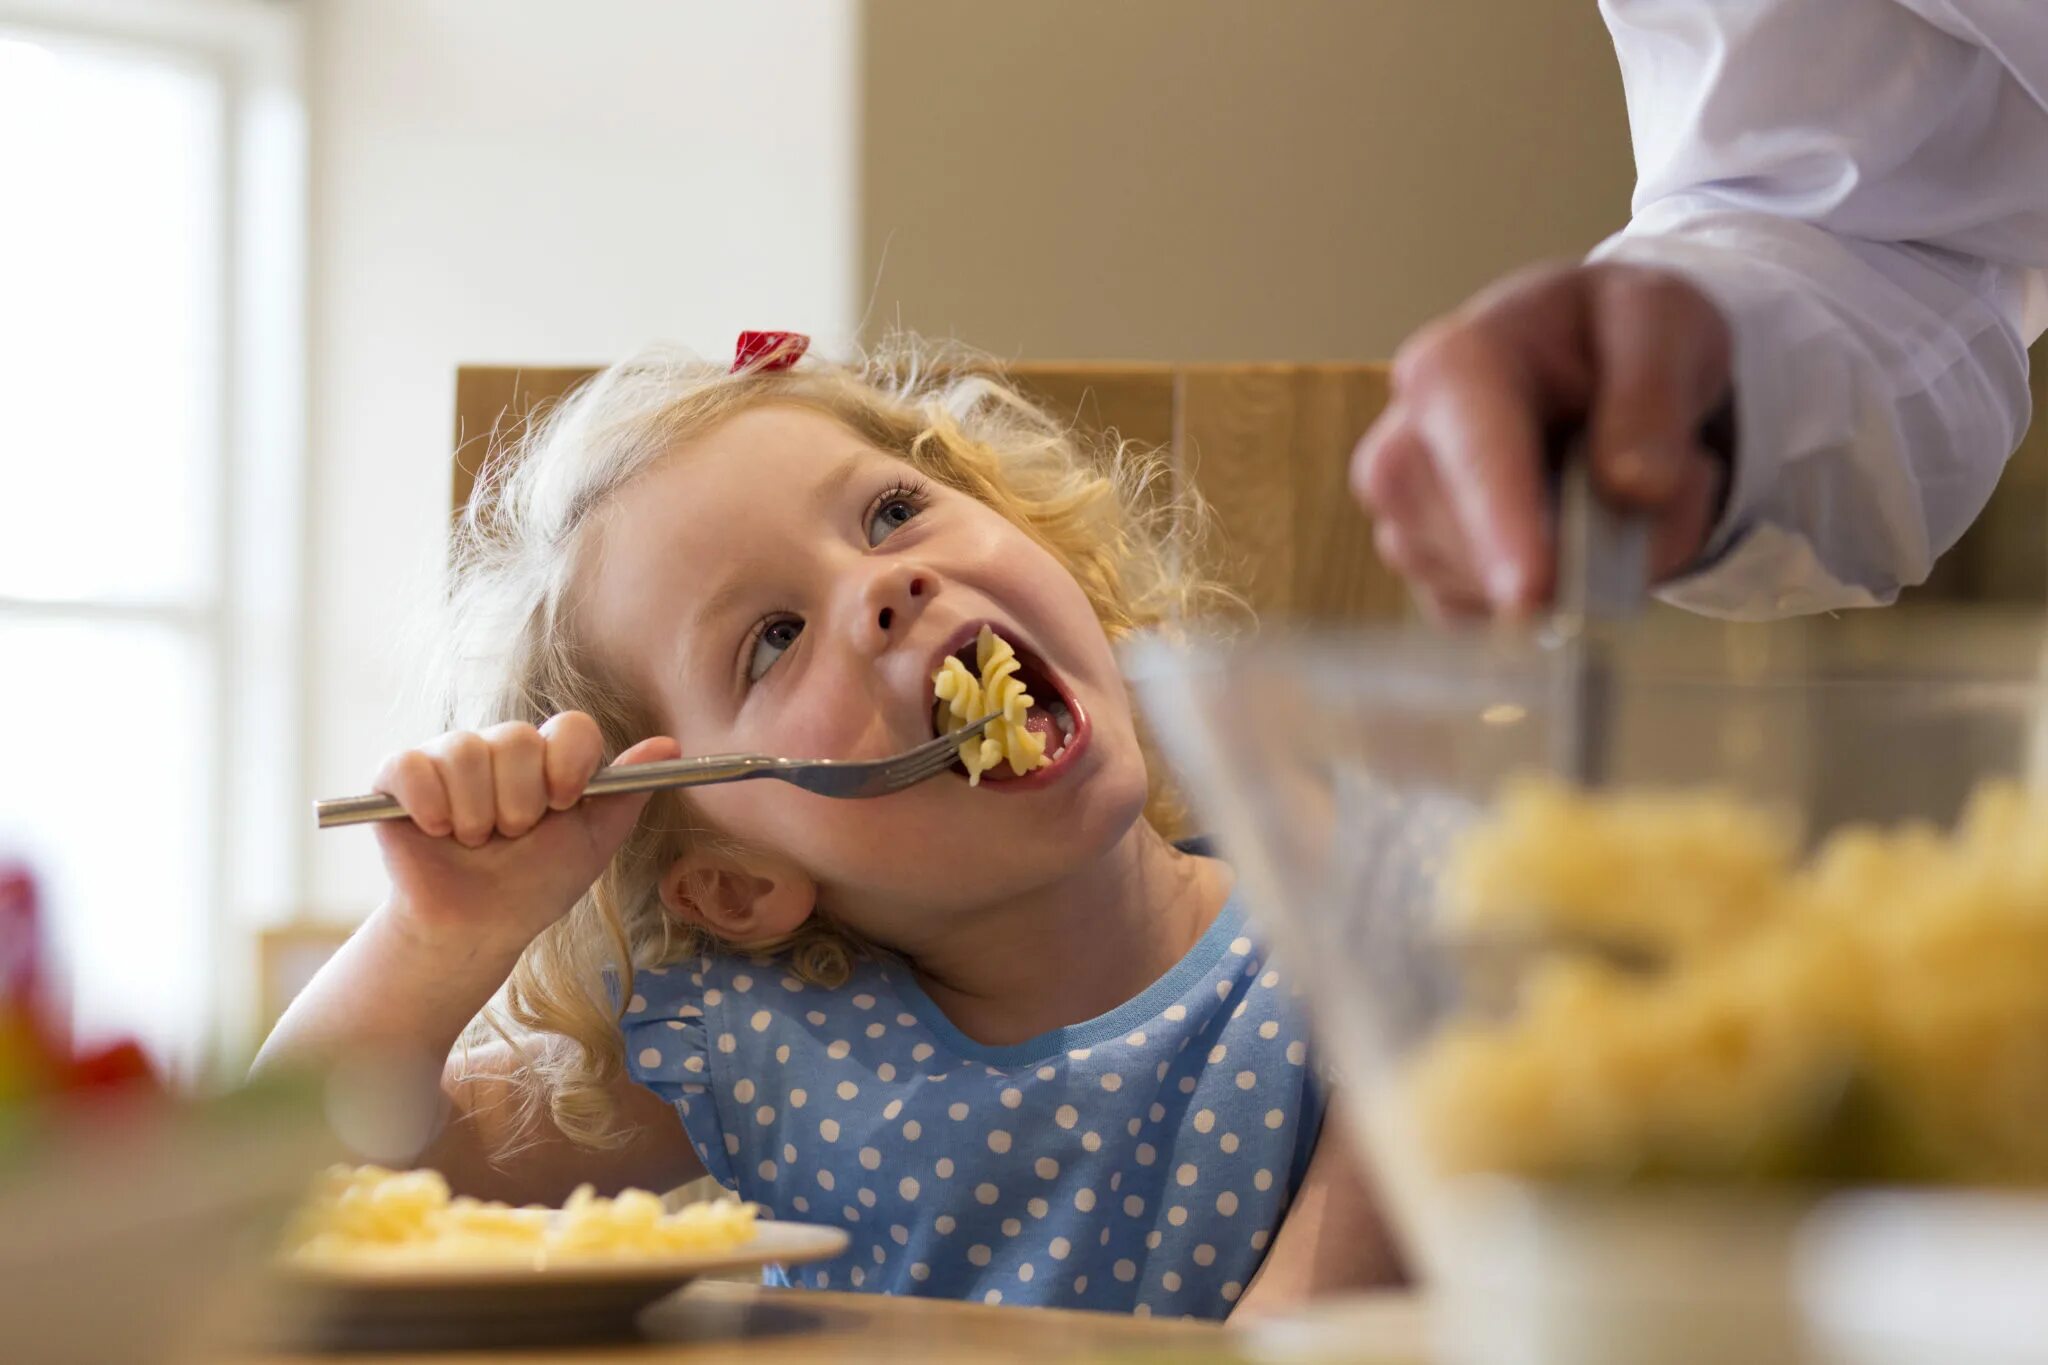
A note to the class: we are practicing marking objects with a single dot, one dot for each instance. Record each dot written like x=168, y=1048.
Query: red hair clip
x=769, y=351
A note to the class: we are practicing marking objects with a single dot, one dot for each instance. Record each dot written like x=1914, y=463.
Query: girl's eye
x=775, y=637
x=897, y=509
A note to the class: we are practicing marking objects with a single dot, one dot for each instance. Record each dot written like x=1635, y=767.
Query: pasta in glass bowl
x=1611, y=1052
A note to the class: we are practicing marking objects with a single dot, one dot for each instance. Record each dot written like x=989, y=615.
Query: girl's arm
x=1332, y=1239
x=499, y=846
x=386, y=997
x=547, y=1165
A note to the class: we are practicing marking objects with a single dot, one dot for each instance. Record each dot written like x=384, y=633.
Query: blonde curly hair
x=1110, y=512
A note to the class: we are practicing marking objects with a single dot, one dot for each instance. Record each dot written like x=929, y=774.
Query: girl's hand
x=500, y=845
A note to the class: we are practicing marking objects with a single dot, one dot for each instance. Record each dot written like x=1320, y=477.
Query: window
x=148, y=465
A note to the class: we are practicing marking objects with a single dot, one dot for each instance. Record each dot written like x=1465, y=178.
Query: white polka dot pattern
x=1139, y=1162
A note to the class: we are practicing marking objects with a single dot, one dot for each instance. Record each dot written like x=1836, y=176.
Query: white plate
x=370, y=1306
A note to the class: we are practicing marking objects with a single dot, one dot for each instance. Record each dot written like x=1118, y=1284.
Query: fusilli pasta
x=965, y=698
x=366, y=1214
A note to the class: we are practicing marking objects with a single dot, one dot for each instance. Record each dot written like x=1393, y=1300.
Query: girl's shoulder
x=685, y=982
x=687, y=1023
x=721, y=1037
x=718, y=986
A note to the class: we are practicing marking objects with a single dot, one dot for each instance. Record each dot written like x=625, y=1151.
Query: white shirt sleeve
x=1862, y=186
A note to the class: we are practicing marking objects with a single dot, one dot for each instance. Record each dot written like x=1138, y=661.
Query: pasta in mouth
x=1027, y=732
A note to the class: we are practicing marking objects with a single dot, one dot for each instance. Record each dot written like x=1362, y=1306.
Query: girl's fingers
x=505, y=780
x=415, y=782
x=572, y=752
x=518, y=777
x=464, y=762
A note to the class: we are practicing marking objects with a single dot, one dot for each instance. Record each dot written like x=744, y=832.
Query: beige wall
x=1156, y=179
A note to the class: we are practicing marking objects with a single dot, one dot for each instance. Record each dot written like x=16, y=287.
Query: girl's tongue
x=1039, y=721
x=1046, y=720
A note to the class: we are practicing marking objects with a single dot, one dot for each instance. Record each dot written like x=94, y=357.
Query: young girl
x=1021, y=1046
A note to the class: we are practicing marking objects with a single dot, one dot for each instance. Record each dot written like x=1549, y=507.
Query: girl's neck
x=1076, y=948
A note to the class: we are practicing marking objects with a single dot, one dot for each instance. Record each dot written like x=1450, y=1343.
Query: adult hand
x=1454, y=471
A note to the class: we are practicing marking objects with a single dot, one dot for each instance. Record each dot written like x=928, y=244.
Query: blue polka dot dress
x=1138, y=1162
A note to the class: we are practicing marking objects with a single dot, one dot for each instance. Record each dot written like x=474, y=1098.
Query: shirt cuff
x=1789, y=394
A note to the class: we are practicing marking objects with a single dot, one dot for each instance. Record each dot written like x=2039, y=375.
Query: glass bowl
x=1336, y=769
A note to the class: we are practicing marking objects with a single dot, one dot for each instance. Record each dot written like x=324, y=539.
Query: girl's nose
x=889, y=601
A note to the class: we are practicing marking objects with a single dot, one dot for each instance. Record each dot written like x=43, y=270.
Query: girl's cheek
x=852, y=843
x=825, y=725
x=824, y=715
x=783, y=817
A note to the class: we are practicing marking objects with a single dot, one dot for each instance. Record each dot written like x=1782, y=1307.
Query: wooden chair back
x=1267, y=445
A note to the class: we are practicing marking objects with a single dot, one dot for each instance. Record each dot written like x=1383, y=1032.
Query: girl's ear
x=740, y=898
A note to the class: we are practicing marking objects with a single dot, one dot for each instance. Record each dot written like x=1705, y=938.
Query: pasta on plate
x=366, y=1215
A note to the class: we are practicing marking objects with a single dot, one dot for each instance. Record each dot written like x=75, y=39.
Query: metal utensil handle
x=632, y=777
x=1603, y=552
x=1603, y=577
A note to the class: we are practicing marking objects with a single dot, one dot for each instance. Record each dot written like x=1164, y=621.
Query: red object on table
x=21, y=940
x=37, y=1036
x=118, y=1065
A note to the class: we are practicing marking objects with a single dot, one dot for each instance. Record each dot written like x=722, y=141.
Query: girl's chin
x=1082, y=816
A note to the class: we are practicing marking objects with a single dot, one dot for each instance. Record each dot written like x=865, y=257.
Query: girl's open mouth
x=1055, y=715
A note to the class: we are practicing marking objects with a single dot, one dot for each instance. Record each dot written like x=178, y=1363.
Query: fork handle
x=628, y=777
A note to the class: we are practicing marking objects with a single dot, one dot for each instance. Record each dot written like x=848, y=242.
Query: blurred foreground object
x=1878, y=1013
x=1343, y=773
x=124, y=1211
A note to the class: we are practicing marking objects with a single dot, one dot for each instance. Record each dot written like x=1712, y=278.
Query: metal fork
x=844, y=778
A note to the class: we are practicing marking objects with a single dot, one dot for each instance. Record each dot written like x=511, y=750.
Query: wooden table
x=748, y=1325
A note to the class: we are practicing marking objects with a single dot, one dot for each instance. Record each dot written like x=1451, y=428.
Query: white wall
x=531, y=181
